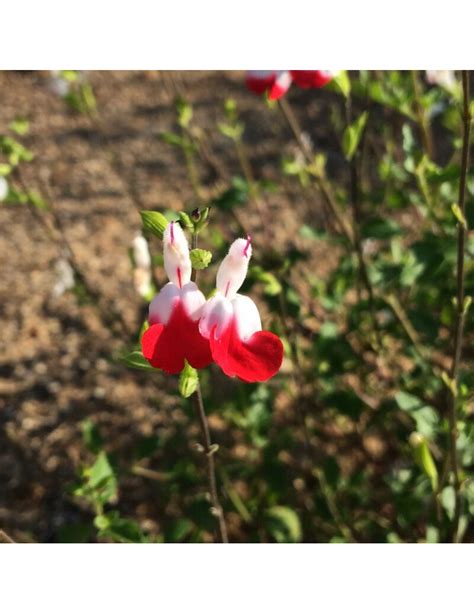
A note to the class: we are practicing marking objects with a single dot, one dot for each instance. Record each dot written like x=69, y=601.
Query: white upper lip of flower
x=180, y=287
x=176, y=255
x=227, y=304
x=233, y=269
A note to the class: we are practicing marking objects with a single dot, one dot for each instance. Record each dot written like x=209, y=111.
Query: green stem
x=460, y=310
x=423, y=121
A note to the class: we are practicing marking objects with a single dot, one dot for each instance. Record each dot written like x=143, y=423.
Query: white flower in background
x=444, y=78
x=64, y=277
x=59, y=85
x=3, y=188
x=142, y=278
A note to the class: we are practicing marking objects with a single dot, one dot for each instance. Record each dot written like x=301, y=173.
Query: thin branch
x=321, y=182
x=423, y=121
x=460, y=307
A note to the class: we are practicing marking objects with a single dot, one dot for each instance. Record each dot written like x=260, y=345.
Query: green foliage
x=188, y=381
x=154, y=222
x=352, y=135
x=283, y=524
x=200, y=258
x=136, y=360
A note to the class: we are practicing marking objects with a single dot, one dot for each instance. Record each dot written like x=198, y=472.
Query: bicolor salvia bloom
x=232, y=324
x=174, y=313
x=277, y=82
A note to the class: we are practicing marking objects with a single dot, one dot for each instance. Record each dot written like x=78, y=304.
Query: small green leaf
x=136, y=360
x=188, y=380
x=91, y=436
x=37, y=201
x=200, y=258
x=352, y=135
x=272, y=287
x=342, y=82
x=186, y=220
x=20, y=126
x=154, y=221
x=448, y=501
x=185, y=112
x=283, y=524
x=172, y=139
x=458, y=214
x=423, y=457
x=5, y=169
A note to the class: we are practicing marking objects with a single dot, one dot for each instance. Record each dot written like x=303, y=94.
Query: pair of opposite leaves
x=226, y=329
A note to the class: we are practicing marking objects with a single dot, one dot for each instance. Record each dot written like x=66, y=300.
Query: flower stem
x=209, y=448
x=209, y=451
x=460, y=307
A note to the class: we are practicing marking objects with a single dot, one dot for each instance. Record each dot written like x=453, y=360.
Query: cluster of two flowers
x=226, y=329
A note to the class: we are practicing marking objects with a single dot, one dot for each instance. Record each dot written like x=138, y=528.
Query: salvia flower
x=173, y=335
x=275, y=83
x=232, y=323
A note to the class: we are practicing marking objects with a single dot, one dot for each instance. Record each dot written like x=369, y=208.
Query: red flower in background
x=277, y=82
x=174, y=313
x=232, y=323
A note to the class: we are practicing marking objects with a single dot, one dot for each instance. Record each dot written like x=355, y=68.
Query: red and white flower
x=277, y=82
x=232, y=323
x=273, y=82
x=173, y=335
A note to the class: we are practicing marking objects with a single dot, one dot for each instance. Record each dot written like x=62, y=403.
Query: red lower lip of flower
x=259, y=85
x=310, y=78
x=167, y=346
x=255, y=360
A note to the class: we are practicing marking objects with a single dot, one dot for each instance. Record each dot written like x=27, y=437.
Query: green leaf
x=458, y=214
x=272, y=287
x=178, y=530
x=200, y=258
x=113, y=526
x=20, y=126
x=37, y=201
x=185, y=112
x=5, y=169
x=91, y=436
x=342, y=82
x=154, y=221
x=380, y=228
x=188, y=380
x=136, y=360
x=283, y=524
x=448, y=501
x=172, y=139
x=425, y=416
x=235, y=196
x=423, y=457
x=352, y=135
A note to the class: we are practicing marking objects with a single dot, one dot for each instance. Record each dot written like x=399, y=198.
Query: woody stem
x=209, y=448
